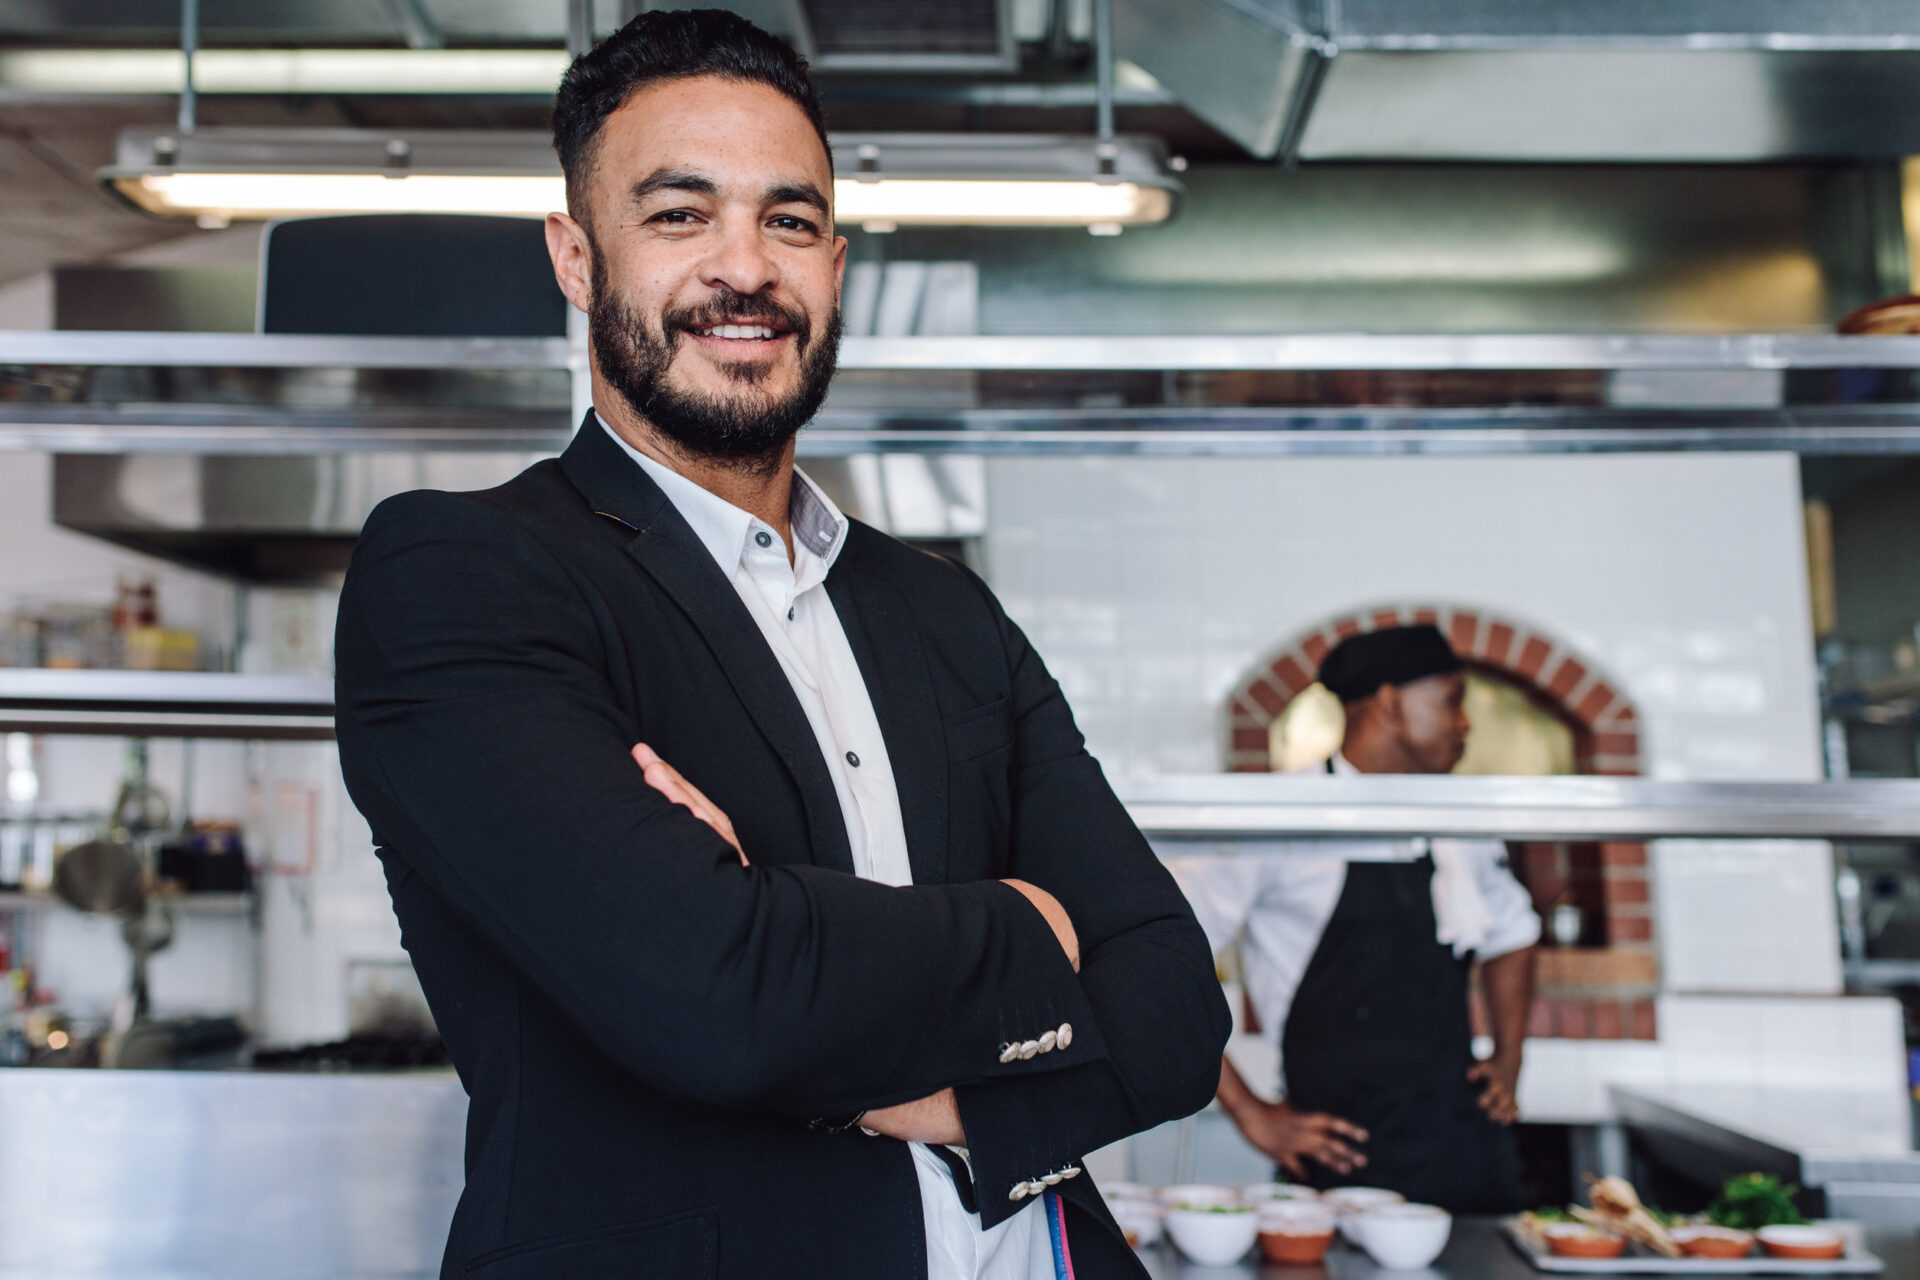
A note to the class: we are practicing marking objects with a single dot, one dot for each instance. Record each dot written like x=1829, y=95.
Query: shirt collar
x=818, y=525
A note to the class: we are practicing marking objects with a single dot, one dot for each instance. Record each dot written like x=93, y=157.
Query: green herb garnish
x=1750, y=1201
x=1553, y=1213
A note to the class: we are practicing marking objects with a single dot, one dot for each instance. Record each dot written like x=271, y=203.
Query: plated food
x=1704, y=1240
x=1578, y=1240
x=1294, y=1232
x=1808, y=1242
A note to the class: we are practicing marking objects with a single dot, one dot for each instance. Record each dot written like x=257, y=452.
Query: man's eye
x=673, y=215
x=787, y=222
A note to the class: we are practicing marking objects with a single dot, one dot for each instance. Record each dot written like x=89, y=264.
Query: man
x=1357, y=956
x=746, y=856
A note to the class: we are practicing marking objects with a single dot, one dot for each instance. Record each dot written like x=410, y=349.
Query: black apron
x=1378, y=1034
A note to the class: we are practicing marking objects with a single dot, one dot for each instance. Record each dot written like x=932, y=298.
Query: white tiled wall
x=1153, y=586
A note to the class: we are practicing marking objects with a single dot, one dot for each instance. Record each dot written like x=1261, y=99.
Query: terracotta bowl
x=1704, y=1241
x=1810, y=1244
x=1292, y=1246
x=1577, y=1240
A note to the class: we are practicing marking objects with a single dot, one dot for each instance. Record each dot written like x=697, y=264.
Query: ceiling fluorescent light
x=902, y=179
x=282, y=71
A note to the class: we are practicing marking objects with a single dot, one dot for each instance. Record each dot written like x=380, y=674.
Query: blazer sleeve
x=1145, y=966
x=479, y=735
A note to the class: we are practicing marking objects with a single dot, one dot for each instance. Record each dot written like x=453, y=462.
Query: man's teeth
x=738, y=331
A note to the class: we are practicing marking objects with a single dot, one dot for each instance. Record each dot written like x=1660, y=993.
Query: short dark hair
x=668, y=45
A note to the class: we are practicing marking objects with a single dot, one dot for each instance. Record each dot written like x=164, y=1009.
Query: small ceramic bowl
x=1198, y=1193
x=1294, y=1232
x=1213, y=1237
x=1349, y=1202
x=1810, y=1243
x=1700, y=1240
x=1140, y=1220
x=1257, y=1193
x=1111, y=1191
x=1403, y=1237
x=1578, y=1240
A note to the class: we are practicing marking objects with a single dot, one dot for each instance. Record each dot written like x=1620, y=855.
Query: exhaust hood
x=1517, y=80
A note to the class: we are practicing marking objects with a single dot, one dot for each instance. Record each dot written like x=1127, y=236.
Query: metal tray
x=1638, y=1261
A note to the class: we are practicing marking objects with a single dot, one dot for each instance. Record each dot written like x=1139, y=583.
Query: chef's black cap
x=1360, y=665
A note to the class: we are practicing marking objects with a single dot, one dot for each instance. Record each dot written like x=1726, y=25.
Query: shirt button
x=789, y=614
x=853, y=759
x=764, y=538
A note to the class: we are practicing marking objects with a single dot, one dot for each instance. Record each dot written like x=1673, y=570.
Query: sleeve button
x=1008, y=1053
x=1019, y=1192
x=1047, y=1041
x=1028, y=1049
x=1063, y=1037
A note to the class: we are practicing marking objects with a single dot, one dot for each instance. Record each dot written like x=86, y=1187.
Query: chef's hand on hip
x=1056, y=918
x=935, y=1118
x=1499, y=1081
x=1292, y=1137
x=666, y=779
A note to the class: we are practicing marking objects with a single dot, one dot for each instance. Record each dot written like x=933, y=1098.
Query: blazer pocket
x=977, y=731
x=684, y=1244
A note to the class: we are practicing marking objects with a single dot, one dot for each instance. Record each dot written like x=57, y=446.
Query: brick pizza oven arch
x=1603, y=990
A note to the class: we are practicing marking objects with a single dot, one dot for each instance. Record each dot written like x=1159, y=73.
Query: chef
x=1358, y=954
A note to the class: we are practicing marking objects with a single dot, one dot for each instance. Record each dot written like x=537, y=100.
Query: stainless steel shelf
x=1235, y=807
x=167, y=704
x=1339, y=351
x=205, y=904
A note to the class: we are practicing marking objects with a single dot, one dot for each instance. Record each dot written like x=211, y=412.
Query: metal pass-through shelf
x=167, y=704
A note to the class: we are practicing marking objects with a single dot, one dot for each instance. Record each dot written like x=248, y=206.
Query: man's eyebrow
x=799, y=193
x=673, y=180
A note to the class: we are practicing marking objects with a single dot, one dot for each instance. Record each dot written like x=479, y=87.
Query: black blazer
x=646, y=1028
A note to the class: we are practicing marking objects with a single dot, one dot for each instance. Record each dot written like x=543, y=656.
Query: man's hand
x=932, y=1119
x=1292, y=1137
x=1056, y=917
x=1499, y=1081
x=666, y=779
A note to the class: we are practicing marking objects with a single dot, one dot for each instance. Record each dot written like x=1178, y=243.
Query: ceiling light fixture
x=898, y=179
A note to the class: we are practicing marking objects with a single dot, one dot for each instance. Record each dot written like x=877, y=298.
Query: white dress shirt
x=1278, y=903
x=789, y=603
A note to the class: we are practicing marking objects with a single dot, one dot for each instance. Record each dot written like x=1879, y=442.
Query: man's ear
x=571, y=249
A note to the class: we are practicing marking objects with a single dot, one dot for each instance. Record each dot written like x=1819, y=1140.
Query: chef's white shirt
x=789, y=603
x=1276, y=897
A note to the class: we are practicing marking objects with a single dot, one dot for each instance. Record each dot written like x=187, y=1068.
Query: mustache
x=738, y=308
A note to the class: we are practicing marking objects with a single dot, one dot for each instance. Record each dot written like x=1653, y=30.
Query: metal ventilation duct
x=1518, y=80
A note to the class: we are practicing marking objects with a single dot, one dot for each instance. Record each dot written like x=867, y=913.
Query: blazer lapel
x=668, y=550
x=892, y=661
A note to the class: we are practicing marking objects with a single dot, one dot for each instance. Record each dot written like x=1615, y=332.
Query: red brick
x=1566, y=678
x=1346, y=627
x=1614, y=767
x=1608, y=1022
x=1625, y=711
x=1250, y=740
x=1629, y=928
x=1533, y=656
x=1386, y=618
x=1645, y=1021
x=1315, y=647
x=1271, y=699
x=1499, y=643
x=1463, y=633
x=1250, y=764
x=1594, y=701
x=1628, y=892
x=1245, y=715
x=1572, y=1020
x=1291, y=675
x=1429, y=616
x=1616, y=744
x=1540, y=1020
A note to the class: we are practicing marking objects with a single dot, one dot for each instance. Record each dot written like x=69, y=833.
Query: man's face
x=715, y=270
x=1433, y=721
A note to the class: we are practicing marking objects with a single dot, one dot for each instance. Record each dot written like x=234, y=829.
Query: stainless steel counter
x=1476, y=1252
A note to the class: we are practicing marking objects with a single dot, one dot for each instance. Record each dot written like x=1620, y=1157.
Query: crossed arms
x=481, y=736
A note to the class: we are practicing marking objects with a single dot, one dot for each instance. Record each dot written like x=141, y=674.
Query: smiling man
x=773, y=911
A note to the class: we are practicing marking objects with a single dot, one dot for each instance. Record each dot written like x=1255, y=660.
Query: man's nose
x=739, y=261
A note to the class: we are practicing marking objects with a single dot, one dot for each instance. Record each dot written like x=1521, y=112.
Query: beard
x=748, y=430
